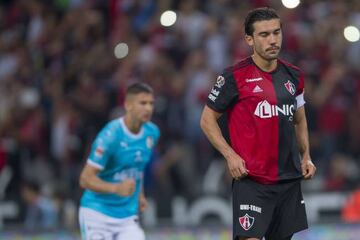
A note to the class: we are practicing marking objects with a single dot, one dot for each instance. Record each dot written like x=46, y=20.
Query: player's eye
x=147, y=103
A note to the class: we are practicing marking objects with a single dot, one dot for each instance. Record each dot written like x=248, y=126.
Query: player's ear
x=128, y=103
x=249, y=40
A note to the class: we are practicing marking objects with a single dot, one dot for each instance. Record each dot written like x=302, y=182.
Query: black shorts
x=274, y=211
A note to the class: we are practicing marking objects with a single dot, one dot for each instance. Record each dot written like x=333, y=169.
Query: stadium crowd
x=60, y=82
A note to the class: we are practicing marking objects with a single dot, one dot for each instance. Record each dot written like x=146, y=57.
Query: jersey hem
x=262, y=180
x=109, y=215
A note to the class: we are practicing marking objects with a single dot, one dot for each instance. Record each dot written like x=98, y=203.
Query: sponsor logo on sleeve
x=212, y=97
x=215, y=92
x=149, y=142
x=220, y=81
x=99, y=152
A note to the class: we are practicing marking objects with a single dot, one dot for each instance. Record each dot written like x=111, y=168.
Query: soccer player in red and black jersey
x=268, y=154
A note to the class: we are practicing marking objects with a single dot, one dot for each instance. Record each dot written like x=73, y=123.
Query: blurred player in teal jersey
x=113, y=174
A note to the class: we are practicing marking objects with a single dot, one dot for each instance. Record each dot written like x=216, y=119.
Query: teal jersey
x=120, y=154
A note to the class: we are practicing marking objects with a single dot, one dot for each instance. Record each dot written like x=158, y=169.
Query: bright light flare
x=290, y=3
x=351, y=34
x=121, y=50
x=168, y=18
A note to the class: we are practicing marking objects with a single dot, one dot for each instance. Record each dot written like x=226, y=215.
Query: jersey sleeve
x=223, y=93
x=101, y=149
x=156, y=135
x=300, y=101
x=153, y=135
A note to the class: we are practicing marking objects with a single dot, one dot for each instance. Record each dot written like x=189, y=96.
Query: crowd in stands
x=60, y=83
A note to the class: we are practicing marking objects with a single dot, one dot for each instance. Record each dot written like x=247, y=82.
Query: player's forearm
x=303, y=141
x=302, y=136
x=142, y=192
x=212, y=131
x=94, y=183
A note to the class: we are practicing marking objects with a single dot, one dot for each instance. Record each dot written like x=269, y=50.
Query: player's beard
x=266, y=53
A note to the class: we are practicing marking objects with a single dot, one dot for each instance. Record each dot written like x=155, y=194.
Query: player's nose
x=149, y=107
x=272, y=39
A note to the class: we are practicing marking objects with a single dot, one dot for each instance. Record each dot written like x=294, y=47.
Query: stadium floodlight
x=290, y=3
x=121, y=50
x=168, y=18
x=351, y=33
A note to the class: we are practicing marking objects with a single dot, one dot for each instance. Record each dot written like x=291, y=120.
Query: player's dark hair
x=139, y=87
x=258, y=14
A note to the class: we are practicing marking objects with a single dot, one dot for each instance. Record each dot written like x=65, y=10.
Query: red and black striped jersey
x=260, y=108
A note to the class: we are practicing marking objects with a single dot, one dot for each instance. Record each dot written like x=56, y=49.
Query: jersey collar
x=128, y=132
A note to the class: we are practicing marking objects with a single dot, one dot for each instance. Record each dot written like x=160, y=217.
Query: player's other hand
x=142, y=203
x=125, y=188
x=308, y=168
x=237, y=166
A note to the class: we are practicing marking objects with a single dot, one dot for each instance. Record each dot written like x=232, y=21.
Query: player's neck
x=132, y=125
x=263, y=64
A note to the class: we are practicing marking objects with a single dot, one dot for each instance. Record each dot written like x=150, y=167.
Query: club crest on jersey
x=149, y=142
x=290, y=87
x=220, y=81
x=246, y=222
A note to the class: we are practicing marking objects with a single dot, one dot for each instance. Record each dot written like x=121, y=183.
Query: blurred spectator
x=191, y=24
x=332, y=103
x=353, y=127
x=343, y=173
x=351, y=210
x=175, y=175
x=60, y=81
x=2, y=158
x=41, y=212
